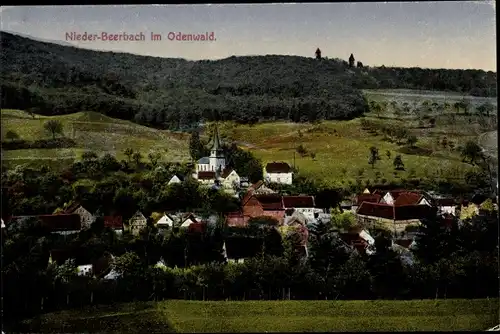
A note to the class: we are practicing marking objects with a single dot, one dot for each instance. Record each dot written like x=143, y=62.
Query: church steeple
x=217, y=160
x=216, y=146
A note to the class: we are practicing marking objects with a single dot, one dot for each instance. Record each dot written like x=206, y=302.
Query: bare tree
x=54, y=127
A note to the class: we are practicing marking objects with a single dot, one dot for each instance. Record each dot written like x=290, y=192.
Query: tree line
x=177, y=94
x=449, y=261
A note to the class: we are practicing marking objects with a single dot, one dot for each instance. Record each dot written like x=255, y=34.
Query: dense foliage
x=175, y=93
x=456, y=262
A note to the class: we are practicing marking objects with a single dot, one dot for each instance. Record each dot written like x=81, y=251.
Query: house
x=175, y=179
x=446, y=205
x=86, y=217
x=187, y=219
x=394, y=218
x=405, y=197
x=87, y=265
x=115, y=223
x=260, y=188
x=237, y=219
x=278, y=172
x=346, y=205
x=166, y=221
x=371, y=198
x=216, y=162
x=359, y=240
x=206, y=178
x=244, y=182
x=62, y=224
x=137, y=223
x=257, y=205
x=270, y=205
x=303, y=204
x=230, y=179
x=295, y=218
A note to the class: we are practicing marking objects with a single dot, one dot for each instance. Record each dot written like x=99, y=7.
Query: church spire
x=216, y=146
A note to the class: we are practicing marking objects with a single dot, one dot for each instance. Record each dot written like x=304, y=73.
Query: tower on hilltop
x=318, y=53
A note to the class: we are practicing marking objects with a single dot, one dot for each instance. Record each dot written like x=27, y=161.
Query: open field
x=272, y=316
x=341, y=148
x=91, y=131
x=408, y=95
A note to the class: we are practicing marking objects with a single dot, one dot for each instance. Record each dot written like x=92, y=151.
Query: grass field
x=273, y=316
x=341, y=148
x=91, y=131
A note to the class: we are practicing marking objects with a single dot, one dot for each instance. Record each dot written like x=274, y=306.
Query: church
x=212, y=170
x=215, y=162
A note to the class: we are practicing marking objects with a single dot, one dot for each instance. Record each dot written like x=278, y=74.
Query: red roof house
x=298, y=201
x=278, y=167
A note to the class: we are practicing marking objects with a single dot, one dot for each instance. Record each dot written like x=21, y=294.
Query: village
x=398, y=211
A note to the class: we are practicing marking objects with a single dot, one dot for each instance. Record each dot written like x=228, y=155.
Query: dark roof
x=270, y=201
x=376, y=210
x=204, y=161
x=367, y=198
x=446, y=202
x=405, y=212
x=278, y=167
x=407, y=198
x=114, y=222
x=298, y=201
x=226, y=172
x=206, y=175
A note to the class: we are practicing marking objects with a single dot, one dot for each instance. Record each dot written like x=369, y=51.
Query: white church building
x=216, y=161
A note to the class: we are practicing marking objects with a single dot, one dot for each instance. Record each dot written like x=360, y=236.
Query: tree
x=388, y=154
x=301, y=150
x=129, y=153
x=398, y=163
x=54, y=127
x=472, y=152
x=313, y=155
x=196, y=148
x=412, y=140
x=486, y=108
x=154, y=157
x=373, y=156
x=89, y=155
x=11, y=135
x=137, y=157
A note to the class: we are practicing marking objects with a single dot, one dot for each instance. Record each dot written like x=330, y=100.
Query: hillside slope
x=175, y=93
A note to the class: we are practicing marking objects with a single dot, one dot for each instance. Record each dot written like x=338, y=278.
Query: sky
x=408, y=34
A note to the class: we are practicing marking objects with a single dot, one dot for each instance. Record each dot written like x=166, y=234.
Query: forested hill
x=175, y=93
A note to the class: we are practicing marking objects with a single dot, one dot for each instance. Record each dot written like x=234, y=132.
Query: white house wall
x=283, y=178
